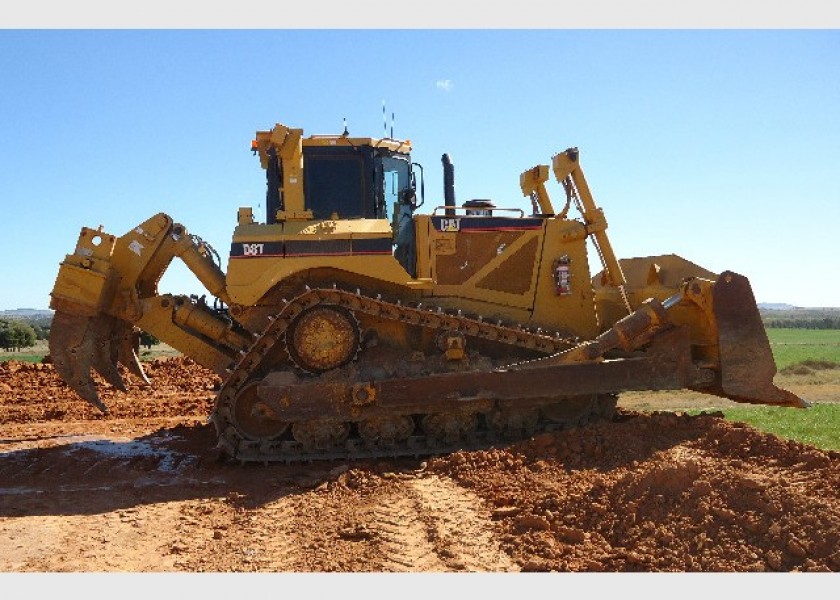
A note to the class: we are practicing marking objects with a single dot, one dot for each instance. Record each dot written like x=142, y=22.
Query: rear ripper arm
x=109, y=285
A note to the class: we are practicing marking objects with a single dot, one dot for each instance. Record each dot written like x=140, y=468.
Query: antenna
x=392, y=126
x=384, y=121
x=345, y=127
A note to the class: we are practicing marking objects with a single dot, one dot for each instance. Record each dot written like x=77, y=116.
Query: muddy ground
x=142, y=491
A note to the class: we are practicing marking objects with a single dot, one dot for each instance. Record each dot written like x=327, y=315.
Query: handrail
x=492, y=210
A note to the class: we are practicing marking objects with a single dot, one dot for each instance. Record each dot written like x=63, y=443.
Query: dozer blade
x=79, y=342
x=747, y=366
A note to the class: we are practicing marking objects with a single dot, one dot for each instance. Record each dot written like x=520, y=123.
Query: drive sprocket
x=323, y=338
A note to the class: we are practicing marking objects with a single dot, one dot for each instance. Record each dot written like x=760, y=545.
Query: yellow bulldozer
x=350, y=324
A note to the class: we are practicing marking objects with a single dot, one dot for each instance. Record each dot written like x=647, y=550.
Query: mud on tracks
x=141, y=491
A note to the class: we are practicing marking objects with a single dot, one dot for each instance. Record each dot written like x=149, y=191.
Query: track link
x=253, y=364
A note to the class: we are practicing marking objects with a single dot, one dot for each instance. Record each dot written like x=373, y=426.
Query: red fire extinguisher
x=562, y=276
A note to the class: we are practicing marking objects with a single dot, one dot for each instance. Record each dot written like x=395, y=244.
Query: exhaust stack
x=448, y=183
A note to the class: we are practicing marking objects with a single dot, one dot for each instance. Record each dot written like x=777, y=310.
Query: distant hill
x=775, y=306
x=26, y=312
x=778, y=306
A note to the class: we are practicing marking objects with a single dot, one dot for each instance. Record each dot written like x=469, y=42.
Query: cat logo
x=450, y=224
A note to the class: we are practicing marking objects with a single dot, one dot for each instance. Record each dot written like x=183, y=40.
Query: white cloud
x=444, y=84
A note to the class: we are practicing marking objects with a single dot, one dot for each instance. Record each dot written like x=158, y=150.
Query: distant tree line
x=802, y=323
x=22, y=332
x=16, y=334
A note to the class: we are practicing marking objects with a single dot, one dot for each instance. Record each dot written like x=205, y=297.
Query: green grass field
x=33, y=354
x=818, y=425
x=41, y=349
x=798, y=352
x=791, y=346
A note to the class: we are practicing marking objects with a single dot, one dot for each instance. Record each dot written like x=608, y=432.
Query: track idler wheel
x=253, y=418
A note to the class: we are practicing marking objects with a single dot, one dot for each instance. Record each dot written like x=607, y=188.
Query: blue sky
x=718, y=145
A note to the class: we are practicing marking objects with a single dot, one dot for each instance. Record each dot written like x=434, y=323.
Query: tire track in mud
x=435, y=525
x=461, y=528
x=404, y=538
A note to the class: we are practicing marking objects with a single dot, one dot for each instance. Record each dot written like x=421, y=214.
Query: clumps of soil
x=660, y=492
x=178, y=387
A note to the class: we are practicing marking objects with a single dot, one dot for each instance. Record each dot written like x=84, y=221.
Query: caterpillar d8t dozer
x=349, y=324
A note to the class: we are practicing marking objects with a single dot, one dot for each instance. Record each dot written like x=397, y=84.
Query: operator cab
x=338, y=177
x=342, y=177
x=354, y=182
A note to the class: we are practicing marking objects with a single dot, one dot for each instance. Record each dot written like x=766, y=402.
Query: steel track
x=252, y=365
